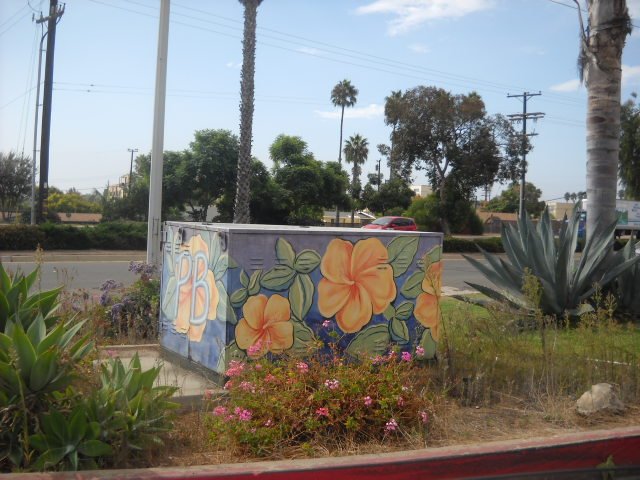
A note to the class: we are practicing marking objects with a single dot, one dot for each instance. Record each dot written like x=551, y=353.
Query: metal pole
x=379, y=180
x=35, y=133
x=524, y=154
x=155, y=183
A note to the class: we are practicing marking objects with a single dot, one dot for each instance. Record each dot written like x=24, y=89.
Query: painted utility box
x=231, y=291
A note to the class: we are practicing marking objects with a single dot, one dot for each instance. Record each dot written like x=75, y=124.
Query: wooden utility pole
x=55, y=12
x=523, y=117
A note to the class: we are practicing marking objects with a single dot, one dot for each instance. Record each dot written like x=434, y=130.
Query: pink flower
x=235, y=368
x=406, y=356
x=255, y=349
x=332, y=384
x=322, y=412
x=257, y=366
x=391, y=425
x=302, y=367
x=243, y=414
x=228, y=385
x=419, y=351
x=268, y=423
x=326, y=324
x=368, y=401
x=220, y=411
x=424, y=416
x=208, y=394
x=377, y=360
x=247, y=387
x=269, y=378
x=400, y=401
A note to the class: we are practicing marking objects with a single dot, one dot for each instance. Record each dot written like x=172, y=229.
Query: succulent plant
x=566, y=282
x=628, y=283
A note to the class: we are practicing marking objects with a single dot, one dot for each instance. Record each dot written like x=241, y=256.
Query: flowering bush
x=293, y=402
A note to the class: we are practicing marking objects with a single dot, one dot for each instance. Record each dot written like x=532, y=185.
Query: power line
x=574, y=7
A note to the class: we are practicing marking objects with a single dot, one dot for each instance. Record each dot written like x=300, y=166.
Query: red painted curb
x=584, y=450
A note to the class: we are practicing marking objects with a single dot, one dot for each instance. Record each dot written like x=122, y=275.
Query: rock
x=600, y=398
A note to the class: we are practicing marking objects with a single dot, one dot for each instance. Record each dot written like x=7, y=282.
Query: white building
x=422, y=190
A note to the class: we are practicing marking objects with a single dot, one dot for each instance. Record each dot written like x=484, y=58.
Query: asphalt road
x=90, y=275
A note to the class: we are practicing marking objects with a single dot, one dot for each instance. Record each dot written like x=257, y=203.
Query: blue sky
x=105, y=70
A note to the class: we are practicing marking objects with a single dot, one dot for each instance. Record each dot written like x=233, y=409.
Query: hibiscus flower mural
x=266, y=325
x=427, y=309
x=358, y=282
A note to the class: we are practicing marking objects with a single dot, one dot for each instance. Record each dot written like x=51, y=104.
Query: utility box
x=233, y=291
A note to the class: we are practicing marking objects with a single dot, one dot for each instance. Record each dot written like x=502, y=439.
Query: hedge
x=50, y=236
x=462, y=245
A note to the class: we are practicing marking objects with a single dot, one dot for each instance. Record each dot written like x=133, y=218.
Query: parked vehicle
x=392, y=223
x=628, y=218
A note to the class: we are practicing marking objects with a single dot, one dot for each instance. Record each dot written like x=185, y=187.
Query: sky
x=105, y=61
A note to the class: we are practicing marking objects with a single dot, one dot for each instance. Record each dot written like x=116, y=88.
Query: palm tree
x=567, y=196
x=243, y=193
x=600, y=69
x=392, y=112
x=343, y=95
x=356, y=151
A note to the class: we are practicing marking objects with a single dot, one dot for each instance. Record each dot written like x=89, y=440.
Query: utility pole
x=524, y=116
x=379, y=175
x=39, y=21
x=157, y=144
x=132, y=150
x=55, y=12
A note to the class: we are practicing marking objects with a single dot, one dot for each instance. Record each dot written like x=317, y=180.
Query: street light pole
x=132, y=150
x=41, y=20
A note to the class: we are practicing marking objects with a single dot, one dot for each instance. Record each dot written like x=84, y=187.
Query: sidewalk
x=74, y=256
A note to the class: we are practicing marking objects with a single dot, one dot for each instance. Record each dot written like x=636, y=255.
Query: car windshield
x=382, y=221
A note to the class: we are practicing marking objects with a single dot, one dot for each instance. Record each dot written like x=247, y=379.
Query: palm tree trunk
x=340, y=162
x=241, y=212
x=603, y=78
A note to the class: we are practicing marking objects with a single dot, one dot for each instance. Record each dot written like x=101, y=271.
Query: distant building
x=120, y=189
x=559, y=209
x=360, y=219
x=422, y=190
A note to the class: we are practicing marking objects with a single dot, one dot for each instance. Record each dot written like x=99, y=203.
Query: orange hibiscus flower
x=358, y=282
x=198, y=296
x=427, y=310
x=266, y=325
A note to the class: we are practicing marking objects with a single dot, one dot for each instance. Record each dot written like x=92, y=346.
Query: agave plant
x=565, y=282
x=628, y=283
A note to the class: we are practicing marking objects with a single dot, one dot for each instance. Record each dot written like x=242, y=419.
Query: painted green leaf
x=404, y=310
x=220, y=268
x=278, y=278
x=254, y=283
x=390, y=312
x=214, y=250
x=399, y=331
x=170, y=298
x=370, y=342
x=230, y=352
x=231, y=263
x=434, y=254
x=304, y=340
x=167, y=261
x=239, y=297
x=244, y=279
x=402, y=250
x=306, y=261
x=285, y=253
x=301, y=296
x=428, y=343
x=413, y=285
x=224, y=312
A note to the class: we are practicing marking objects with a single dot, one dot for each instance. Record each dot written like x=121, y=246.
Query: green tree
x=629, y=162
x=15, y=182
x=509, y=200
x=343, y=95
x=454, y=140
x=427, y=212
x=72, y=202
x=394, y=194
x=393, y=110
x=356, y=151
x=243, y=182
x=600, y=63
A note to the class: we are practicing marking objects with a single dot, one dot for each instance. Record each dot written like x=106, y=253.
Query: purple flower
x=332, y=384
x=406, y=356
x=391, y=425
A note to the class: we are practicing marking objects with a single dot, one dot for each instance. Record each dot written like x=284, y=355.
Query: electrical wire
x=14, y=23
x=24, y=117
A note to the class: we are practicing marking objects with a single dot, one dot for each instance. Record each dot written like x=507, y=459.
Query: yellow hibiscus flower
x=266, y=325
x=198, y=296
x=358, y=282
x=427, y=310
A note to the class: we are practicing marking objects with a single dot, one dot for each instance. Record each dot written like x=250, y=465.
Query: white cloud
x=371, y=111
x=410, y=14
x=419, y=48
x=570, y=86
x=309, y=50
x=233, y=64
x=630, y=75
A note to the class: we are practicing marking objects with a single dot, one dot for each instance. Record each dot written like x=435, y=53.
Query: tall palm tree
x=600, y=69
x=356, y=151
x=392, y=112
x=343, y=95
x=243, y=193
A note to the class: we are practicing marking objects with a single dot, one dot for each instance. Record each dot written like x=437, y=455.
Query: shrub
x=292, y=403
x=59, y=237
x=462, y=245
x=20, y=237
